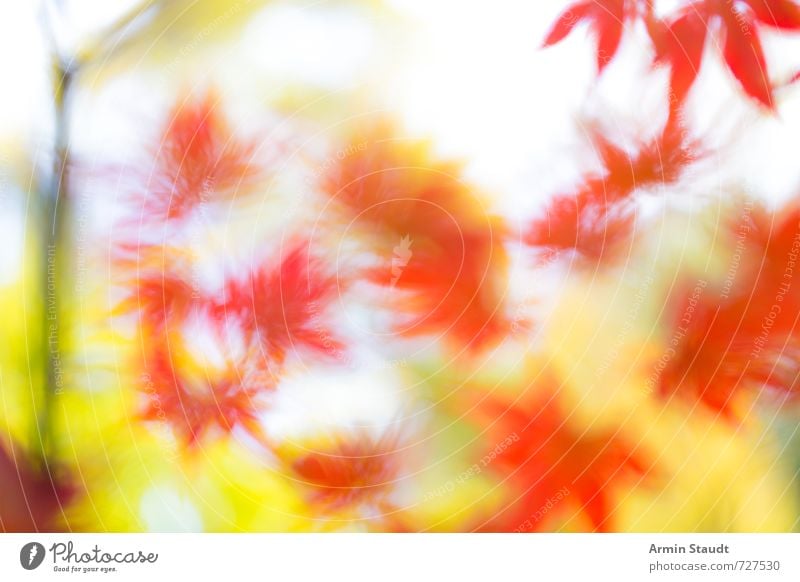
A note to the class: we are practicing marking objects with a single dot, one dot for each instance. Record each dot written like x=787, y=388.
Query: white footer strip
x=401, y=557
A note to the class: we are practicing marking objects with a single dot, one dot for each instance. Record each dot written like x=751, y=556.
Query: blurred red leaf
x=749, y=338
x=353, y=469
x=198, y=160
x=681, y=42
x=195, y=405
x=541, y=455
x=783, y=14
x=448, y=262
x=156, y=284
x=567, y=21
x=745, y=56
x=284, y=305
x=599, y=216
x=679, y=39
x=607, y=17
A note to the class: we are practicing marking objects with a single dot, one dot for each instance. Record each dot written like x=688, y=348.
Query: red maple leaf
x=157, y=286
x=781, y=14
x=747, y=337
x=744, y=54
x=284, y=305
x=680, y=40
x=599, y=216
x=680, y=37
x=195, y=406
x=198, y=159
x=581, y=224
x=163, y=296
x=447, y=277
x=542, y=454
x=354, y=469
x=607, y=17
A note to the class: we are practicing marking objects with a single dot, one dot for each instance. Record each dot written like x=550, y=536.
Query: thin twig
x=54, y=206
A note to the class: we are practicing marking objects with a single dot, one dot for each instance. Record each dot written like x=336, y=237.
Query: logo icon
x=402, y=255
x=31, y=555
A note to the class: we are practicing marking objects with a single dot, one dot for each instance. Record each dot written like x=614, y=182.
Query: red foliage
x=782, y=14
x=195, y=405
x=199, y=158
x=355, y=469
x=582, y=224
x=599, y=216
x=607, y=18
x=452, y=291
x=283, y=306
x=164, y=296
x=680, y=38
x=748, y=338
x=541, y=455
x=32, y=499
x=680, y=42
x=447, y=272
x=157, y=286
